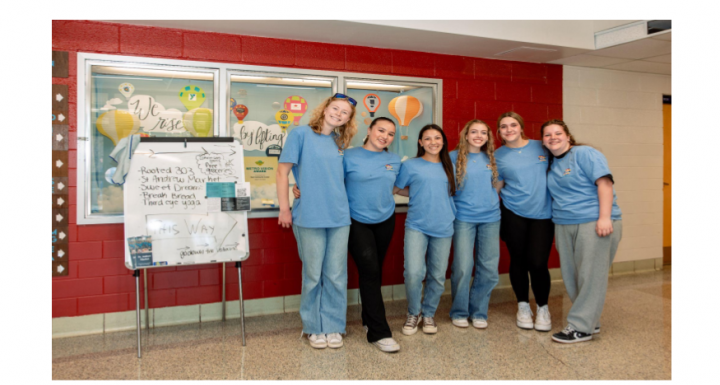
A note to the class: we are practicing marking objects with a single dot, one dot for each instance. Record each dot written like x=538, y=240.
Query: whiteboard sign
x=184, y=202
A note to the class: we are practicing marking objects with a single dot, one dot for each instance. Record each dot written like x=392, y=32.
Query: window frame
x=222, y=73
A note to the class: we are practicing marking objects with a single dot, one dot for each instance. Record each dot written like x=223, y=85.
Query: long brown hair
x=462, y=148
x=444, y=155
x=344, y=133
x=516, y=116
x=378, y=119
x=565, y=128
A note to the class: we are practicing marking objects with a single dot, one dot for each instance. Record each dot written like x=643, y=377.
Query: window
x=263, y=110
x=119, y=96
x=124, y=100
x=409, y=105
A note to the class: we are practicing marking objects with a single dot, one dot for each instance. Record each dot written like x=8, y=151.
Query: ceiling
x=651, y=54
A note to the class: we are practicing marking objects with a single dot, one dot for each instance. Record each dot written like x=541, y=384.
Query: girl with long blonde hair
x=477, y=225
x=321, y=219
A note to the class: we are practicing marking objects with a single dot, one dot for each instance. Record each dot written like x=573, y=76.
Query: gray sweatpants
x=585, y=260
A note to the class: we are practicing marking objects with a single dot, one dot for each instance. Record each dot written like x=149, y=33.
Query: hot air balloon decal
x=372, y=103
x=405, y=108
x=192, y=97
x=297, y=105
x=199, y=122
x=240, y=111
x=126, y=89
x=117, y=124
x=233, y=103
x=284, y=118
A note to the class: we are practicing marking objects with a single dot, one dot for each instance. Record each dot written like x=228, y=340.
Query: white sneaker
x=334, y=340
x=542, y=321
x=429, y=325
x=524, y=316
x=387, y=345
x=318, y=341
x=480, y=323
x=410, y=326
x=461, y=323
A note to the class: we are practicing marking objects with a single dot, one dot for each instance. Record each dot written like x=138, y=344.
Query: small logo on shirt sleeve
x=542, y=158
x=389, y=167
x=341, y=152
x=567, y=172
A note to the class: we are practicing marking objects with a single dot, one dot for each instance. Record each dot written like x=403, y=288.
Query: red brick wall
x=98, y=281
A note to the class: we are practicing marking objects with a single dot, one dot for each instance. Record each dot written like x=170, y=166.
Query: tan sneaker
x=460, y=322
x=334, y=340
x=480, y=323
x=318, y=341
x=411, y=325
x=429, y=325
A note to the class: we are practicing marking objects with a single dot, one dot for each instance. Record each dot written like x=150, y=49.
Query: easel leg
x=137, y=309
x=242, y=305
x=147, y=311
x=223, y=292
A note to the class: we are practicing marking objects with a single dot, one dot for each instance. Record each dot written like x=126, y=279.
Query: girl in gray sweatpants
x=588, y=226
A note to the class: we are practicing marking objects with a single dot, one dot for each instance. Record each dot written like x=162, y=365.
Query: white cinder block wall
x=620, y=114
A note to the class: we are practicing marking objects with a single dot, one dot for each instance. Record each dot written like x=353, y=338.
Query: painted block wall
x=620, y=113
x=98, y=281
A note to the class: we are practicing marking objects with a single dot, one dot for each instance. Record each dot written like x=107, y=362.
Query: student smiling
x=321, y=219
x=588, y=226
x=428, y=227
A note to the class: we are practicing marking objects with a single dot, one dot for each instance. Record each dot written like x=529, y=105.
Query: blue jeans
x=323, y=302
x=485, y=237
x=438, y=253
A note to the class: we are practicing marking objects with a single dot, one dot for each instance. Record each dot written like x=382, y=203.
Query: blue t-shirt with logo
x=524, y=171
x=318, y=170
x=476, y=200
x=571, y=182
x=431, y=209
x=369, y=180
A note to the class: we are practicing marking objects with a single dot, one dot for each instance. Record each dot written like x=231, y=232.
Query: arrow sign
x=61, y=117
x=59, y=138
x=60, y=201
x=61, y=235
x=60, y=186
x=59, y=218
x=59, y=97
x=60, y=269
x=60, y=253
x=59, y=163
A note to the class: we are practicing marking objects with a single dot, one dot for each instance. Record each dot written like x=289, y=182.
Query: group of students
x=550, y=188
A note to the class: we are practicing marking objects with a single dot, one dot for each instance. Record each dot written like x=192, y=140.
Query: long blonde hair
x=463, y=148
x=344, y=133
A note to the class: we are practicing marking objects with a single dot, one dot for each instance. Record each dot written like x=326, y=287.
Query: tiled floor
x=635, y=344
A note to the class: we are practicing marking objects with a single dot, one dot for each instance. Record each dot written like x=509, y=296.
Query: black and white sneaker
x=571, y=336
x=597, y=330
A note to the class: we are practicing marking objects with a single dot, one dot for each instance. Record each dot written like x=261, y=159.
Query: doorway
x=667, y=178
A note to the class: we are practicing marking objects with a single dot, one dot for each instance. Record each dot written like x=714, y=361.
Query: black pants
x=368, y=245
x=529, y=242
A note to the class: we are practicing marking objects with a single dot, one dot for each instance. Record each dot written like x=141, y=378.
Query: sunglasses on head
x=341, y=96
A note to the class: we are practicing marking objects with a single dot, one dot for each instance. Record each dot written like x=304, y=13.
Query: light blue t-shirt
x=476, y=200
x=571, y=182
x=318, y=170
x=369, y=180
x=431, y=209
x=524, y=171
